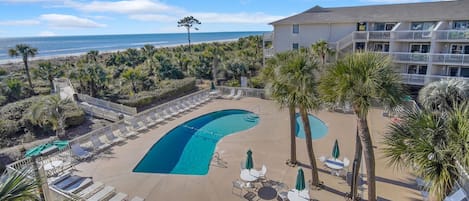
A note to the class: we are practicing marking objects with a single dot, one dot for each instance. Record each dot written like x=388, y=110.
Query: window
x=361, y=26
x=381, y=47
x=453, y=71
x=456, y=71
x=422, y=26
x=359, y=46
x=381, y=26
x=389, y=26
x=464, y=72
x=461, y=25
x=419, y=48
x=295, y=46
x=459, y=48
x=417, y=69
x=296, y=28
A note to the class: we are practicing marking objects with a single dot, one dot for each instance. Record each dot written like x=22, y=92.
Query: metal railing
x=100, y=112
x=345, y=41
x=249, y=92
x=450, y=59
x=108, y=105
x=268, y=36
x=453, y=59
x=269, y=52
x=452, y=35
x=417, y=79
x=412, y=35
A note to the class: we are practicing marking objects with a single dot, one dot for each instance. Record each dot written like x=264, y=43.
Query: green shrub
x=168, y=89
x=42, y=90
x=256, y=82
x=233, y=83
x=3, y=72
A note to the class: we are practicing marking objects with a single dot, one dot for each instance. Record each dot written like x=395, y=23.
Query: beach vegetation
x=25, y=51
x=46, y=71
x=360, y=79
x=17, y=186
x=321, y=50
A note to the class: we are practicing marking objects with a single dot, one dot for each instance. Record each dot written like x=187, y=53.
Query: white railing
x=452, y=35
x=453, y=59
x=417, y=79
x=412, y=35
x=108, y=105
x=345, y=41
x=268, y=36
x=409, y=57
x=449, y=59
x=269, y=52
x=249, y=92
x=379, y=35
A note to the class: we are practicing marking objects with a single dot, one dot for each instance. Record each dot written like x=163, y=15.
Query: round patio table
x=267, y=193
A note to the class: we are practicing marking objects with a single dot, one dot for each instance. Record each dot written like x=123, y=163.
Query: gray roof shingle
x=429, y=11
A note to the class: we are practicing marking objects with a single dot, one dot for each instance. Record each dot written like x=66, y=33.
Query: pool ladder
x=251, y=117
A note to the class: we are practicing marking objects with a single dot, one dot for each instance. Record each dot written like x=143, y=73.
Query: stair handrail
x=347, y=39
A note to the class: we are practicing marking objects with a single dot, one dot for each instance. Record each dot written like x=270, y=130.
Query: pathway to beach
x=269, y=141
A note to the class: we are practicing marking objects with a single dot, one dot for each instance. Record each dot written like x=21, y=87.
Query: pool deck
x=270, y=144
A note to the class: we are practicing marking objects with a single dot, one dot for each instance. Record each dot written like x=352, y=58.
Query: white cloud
x=47, y=33
x=243, y=18
x=124, y=6
x=19, y=22
x=100, y=17
x=154, y=17
x=69, y=21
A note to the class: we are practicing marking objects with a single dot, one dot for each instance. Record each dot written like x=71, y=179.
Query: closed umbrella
x=300, y=180
x=249, y=164
x=36, y=151
x=336, y=150
x=212, y=86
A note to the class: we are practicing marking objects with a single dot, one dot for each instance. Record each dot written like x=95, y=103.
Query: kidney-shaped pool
x=188, y=148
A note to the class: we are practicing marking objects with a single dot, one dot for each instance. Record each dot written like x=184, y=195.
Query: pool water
x=188, y=148
x=318, y=127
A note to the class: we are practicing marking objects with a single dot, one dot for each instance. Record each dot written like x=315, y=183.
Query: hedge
x=169, y=88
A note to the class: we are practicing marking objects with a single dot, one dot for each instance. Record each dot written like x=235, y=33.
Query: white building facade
x=427, y=41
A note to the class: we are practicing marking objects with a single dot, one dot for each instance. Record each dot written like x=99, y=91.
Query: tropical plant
x=442, y=95
x=13, y=89
x=25, y=51
x=133, y=75
x=188, y=22
x=95, y=77
x=148, y=51
x=50, y=112
x=321, y=49
x=18, y=187
x=431, y=144
x=92, y=56
x=360, y=79
x=48, y=72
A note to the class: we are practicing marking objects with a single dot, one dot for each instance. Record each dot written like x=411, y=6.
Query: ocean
x=55, y=46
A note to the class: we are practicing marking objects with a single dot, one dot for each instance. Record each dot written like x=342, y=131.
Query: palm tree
x=96, y=76
x=431, y=144
x=18, y=187
x=133, y=75
x=48, y=72
x=13, y=89
x=50, y=111
x=215, y=53
x=442, y=95
x=148, y=51
x=188, y=22
x=26, y=51
x=360, y=79
x=321, y=49
x=92, y=56
x=270, y=75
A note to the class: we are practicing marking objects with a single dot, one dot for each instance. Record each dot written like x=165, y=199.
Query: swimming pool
x=318, y=127
x=188, y=148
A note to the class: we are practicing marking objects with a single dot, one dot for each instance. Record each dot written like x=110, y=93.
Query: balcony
x=439, y=59
x=452, y=35
x=372, y=35
x=269, y=36
x=269, y=52
x=450, y=59
x=416, y=79
x=412, y=35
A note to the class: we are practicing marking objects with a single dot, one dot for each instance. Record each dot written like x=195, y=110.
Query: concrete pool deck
x=270, y=143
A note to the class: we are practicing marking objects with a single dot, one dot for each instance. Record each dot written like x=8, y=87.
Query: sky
x=20, y=18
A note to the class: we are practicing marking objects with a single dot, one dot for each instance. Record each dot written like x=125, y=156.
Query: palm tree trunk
x=309, y=146
x=291, y=110
x=133, y=87
x=189, y=38
x=357, y=161
x=51, y=84
x=38, y=178
x=214, y=69
x=26, y=68
x=368, y=151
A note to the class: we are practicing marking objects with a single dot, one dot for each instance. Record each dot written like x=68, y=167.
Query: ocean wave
x=151, y=43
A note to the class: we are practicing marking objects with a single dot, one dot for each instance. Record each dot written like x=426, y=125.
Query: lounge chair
x=186, y=105
x=138, y=126
x=174, y=111
x=112, y=139
x=103, y=194
x=136, y=198
x=167, y=114
x=79, y=152
x=238, y=95
x=230, y=96
x=126, y=133
x=119, y=197
x=263, y=172
x=98, y=145
x=179, y=108
x=238, y=185
x=149, y=122
x=457, y=196
x=157, y=118
x=250, y=196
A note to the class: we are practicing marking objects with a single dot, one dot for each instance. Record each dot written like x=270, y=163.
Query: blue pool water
x=188, y=148
x=318, y=127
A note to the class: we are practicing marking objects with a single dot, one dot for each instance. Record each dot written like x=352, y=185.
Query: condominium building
x=427, y=41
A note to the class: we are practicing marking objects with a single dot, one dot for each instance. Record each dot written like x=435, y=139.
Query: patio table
x=295, y=195
x=249, y=176
x=52, y=166
x=335, y=164
x=267, y=193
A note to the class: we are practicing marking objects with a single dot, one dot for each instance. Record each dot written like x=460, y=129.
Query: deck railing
x=108, y=105
x=452, y=35
x=417, y=79
x=249, y=92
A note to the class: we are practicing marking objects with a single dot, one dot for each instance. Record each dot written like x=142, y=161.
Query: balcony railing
x=412, y=35
x=417, y=79
x=444, y=59
x=452, y=35
x=269, y=36
x=371, y=35
x=453, y=59
x=269, y=52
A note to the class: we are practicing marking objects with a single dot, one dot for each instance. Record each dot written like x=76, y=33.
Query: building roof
x=429, y=11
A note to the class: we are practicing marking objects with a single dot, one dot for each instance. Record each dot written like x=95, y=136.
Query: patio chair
x=80, y=153
x=126, y=133
x=166, y=114
x=112, y=139
x=238, y=185
x=238, y=95
x=173, y=111
x=263, y=172
x=98, y=145
x=282, y=196
x=230, y=96
x=457, y=196
x=148, y=121
x=157, y=118
x=180, y=108
x=138, y=126
x=250, y=196
x=322, y=159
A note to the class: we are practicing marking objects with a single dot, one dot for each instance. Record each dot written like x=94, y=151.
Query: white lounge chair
x=119, y=197
x=112, y=139
x=457, y=196
x=149, y=122
x=230, y=96
x=103, y=194
x=186, y=105
x=263, y=172
x=157, y=118
x=98, y=145
x=179, y=108
x=79, y=152
x=136, y=198
x=238, y=95
x=137, y=125
x=322, y=159
x=126, y=133
x=166, y=114
x=174, y=111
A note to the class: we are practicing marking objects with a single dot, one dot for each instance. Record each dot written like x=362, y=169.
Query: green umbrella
x=335, y=150
x=60, y=144
x=300, y=180
x=249, y=164
x=37, y=150
x=212, y=86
